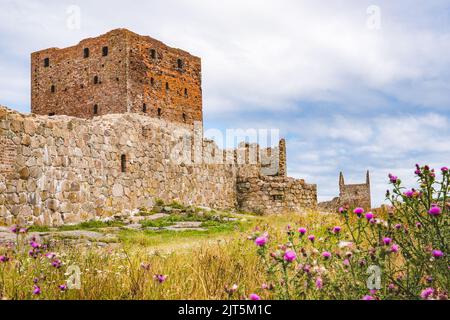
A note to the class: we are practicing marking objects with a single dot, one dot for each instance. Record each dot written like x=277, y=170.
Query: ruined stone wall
x=350, y=196
x=60, y=170
x=68, y=169
x=268, y=195
x=355, y=195
x=135, y=74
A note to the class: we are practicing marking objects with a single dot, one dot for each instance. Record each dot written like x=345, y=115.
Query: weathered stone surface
x=88, y=235
x=187, y=224
x=24, y=173
x=135, y=226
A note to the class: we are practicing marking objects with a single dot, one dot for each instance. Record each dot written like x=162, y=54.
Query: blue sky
x=347, y=94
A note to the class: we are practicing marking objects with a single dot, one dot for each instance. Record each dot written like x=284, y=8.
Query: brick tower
x=117, y=72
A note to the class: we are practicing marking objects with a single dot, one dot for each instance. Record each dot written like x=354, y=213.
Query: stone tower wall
x=137, y=74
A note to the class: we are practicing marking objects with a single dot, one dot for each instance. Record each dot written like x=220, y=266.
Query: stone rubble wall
x=330, y=206
x=275, y=195
x=355, y=195
x=68, y=170
x=64, y=170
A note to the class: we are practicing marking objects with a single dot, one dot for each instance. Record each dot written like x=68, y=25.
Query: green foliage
x=410, y=250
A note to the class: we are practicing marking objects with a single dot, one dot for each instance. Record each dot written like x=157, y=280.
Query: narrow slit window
x=186, y=92
x=123, y=163
x=86, y=52
x=184, y=117
x=144, y=108
x=152, y=81
x=51, y=114
x=180, y=64
x=153, y=53
x=53, y=89
x=47, y=62
x=159, y=112
x=96, y=109
x=167, y=86
x=105, y=51
x=96, y=80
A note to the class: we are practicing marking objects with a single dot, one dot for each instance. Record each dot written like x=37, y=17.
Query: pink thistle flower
x=312, y=238
x=358, y=211
x=393, y=178
x=63, y=287
x=346, y=262
x=261, y=241
x=326, y=255
x=418, y=225
x=232, y=289
x=394, y=248
x=35, y=245
x=319, y=283
x=4, y=259
x=437, y=254
x=341, y=210
x=435, y=210
x=398, y=226
x=369, y=216
x=146, y=266
x=160, y=278
x=387, y=241
x=290, y=256
x=337, y=229
x=254, y=297
x=368, y=298
x=50, y=255
x=427, y=293
x=302, y=231
x=444, y=169
x=15, y=229
x=36, y=290
x=409, y=193
x=57, y=263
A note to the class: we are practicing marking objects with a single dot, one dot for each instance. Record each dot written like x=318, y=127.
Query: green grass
x=89, y=225
x=150, y=238
x=174, y=218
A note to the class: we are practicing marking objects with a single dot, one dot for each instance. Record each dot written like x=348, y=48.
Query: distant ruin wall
x=350, y=196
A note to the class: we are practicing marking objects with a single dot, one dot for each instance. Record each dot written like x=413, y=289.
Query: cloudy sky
x=353, y=85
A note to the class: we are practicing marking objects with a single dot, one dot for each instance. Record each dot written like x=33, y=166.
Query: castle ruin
x=116, y=123
x=350, y=195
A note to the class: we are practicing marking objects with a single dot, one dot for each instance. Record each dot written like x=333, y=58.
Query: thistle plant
x=408, y=244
